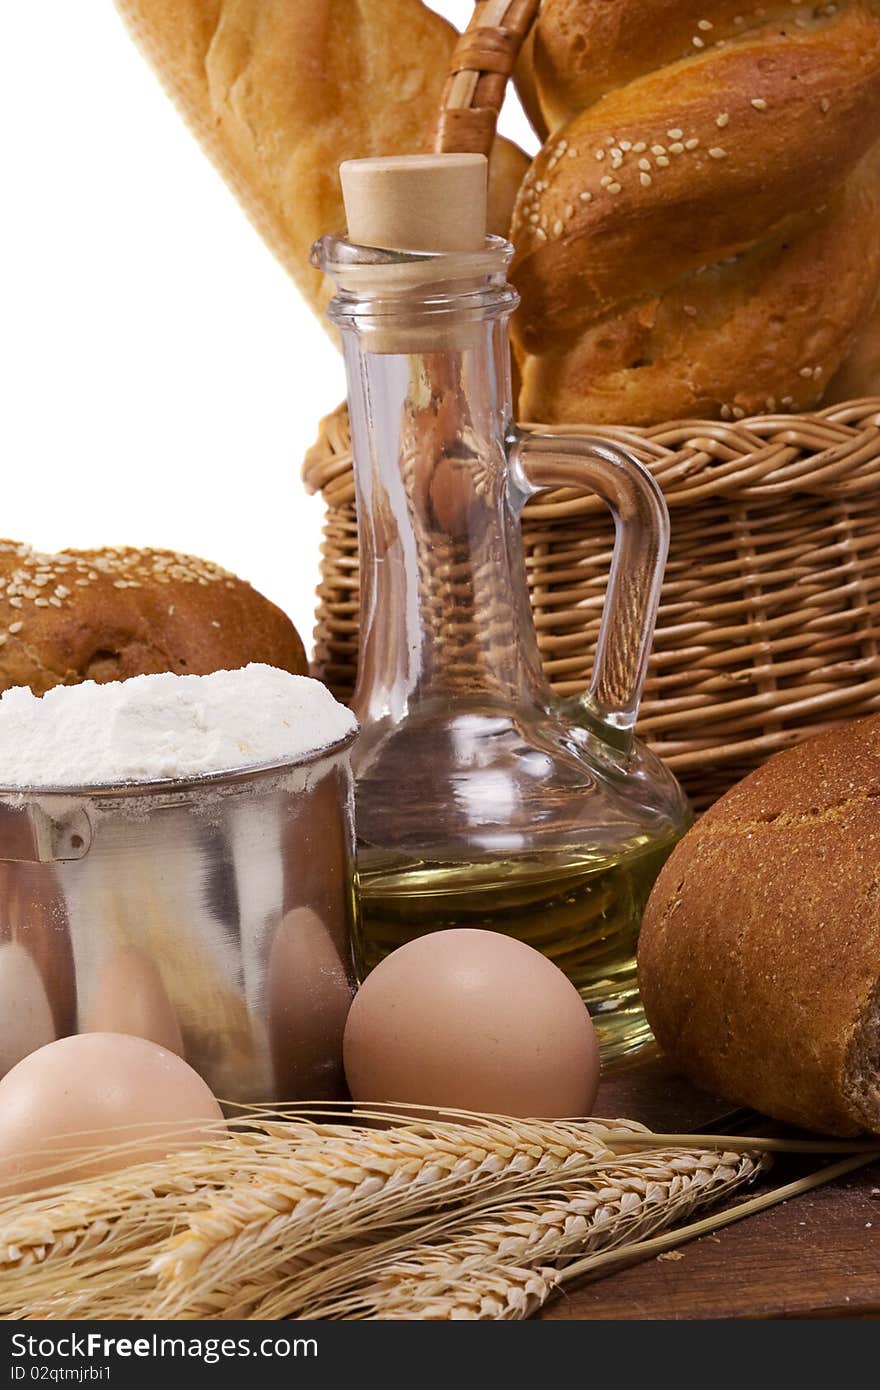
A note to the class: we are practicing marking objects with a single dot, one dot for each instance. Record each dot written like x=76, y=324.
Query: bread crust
x=759, y=957
x=751, y=162
x=280, y=92
x=109, y=614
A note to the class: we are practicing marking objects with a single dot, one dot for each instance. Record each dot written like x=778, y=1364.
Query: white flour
x=155, y=727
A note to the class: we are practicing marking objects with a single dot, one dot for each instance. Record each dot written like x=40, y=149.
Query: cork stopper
x=428, y=202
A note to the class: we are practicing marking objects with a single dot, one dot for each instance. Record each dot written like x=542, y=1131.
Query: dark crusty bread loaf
x=759, y=958
x=105, y=615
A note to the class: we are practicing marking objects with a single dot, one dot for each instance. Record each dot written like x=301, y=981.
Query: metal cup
x=214, y=915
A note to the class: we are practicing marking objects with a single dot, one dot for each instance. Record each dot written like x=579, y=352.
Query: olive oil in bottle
x=583, y=911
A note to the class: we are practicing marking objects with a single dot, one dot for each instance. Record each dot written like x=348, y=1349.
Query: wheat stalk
x=311, y=1215
x=374, y=1180
x=106, y=1245
x=462, y=1271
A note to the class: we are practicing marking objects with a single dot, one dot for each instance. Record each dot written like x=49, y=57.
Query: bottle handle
x=641, y=523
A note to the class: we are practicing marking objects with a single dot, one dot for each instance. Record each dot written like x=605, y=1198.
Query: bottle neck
x=444, y=608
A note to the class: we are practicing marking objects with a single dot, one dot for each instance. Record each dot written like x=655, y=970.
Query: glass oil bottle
x=482, y=801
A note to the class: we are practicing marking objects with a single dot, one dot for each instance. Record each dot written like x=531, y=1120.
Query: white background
x=161, y=379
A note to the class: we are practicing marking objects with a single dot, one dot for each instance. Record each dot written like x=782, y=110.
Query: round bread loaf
x=759, y=957
x=105, y=615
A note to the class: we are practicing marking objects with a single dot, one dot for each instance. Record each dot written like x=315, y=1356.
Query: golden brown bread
x=106, y=615
x=698, y=235
x=759, y=957
x=279, y=92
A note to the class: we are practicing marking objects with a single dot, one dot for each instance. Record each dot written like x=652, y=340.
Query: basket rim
x=827, y=452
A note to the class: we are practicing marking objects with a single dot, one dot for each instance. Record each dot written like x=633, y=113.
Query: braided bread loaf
x=699, y=234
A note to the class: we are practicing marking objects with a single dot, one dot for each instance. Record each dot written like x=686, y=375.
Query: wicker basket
x=769, y=625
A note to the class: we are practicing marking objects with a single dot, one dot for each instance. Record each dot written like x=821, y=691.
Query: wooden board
x=817, y=1256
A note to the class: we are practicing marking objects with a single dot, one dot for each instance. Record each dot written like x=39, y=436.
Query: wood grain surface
x=817, y=1256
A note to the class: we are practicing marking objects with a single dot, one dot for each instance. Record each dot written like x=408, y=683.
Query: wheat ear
x=372, y=1180
x=464, y=1269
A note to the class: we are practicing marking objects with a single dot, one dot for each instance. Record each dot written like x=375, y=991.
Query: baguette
x=280, y=92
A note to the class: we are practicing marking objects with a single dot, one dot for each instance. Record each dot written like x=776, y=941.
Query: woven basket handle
x=481, y=64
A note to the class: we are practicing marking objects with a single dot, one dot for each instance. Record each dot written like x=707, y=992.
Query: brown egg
x=129, y=997
x=310, y=993
x=472, y=1020
x=136, y=1100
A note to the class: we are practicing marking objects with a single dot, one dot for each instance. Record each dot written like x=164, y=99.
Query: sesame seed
x=787, y=402
x=542, y=235
x=717, y=153
x=639, y=147
x=600, y=154
x=675, y=134
x=15, y=603
x=55, y=602
x=562, y=147
x=645, y=180
x=534, y=218
x=698, y=42
x=722, y=119
x=677, y=148
x=770, y=402
x=658, y=149
x=726, y=412
x=738, y=413
x=646, y=165
x=616, y=153
x=626, y=145
x=690, y=311
x=81, y=583
x=705, y=25
x=15, y=627
x=585, y=197
x=605, y=180
x=540, y=186
x=806, y=372
x=825, y=105
x=759, y=103
x=817, y=372
x=569, y=210
x=662, y=161
x=610, y=140
x=41, y=603
x=572, y=153
x=691, y=144
x=615, y=188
